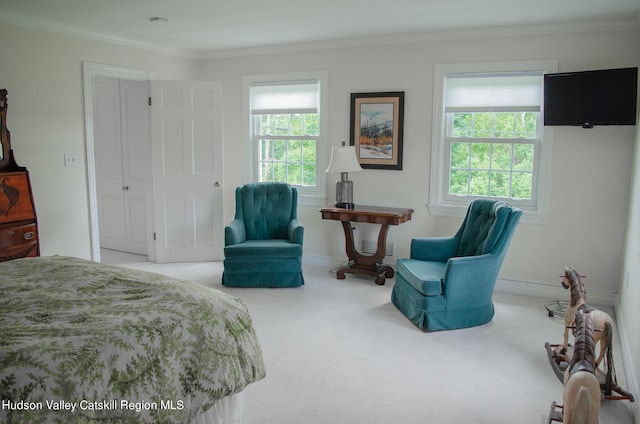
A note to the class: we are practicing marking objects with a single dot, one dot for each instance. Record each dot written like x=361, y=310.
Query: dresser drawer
x=18, y=235
x=26, y=250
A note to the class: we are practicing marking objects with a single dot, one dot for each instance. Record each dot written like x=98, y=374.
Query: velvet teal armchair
x=263, y=244
x=448, y=282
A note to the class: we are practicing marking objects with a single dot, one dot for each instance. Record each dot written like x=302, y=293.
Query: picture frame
x=377, y=121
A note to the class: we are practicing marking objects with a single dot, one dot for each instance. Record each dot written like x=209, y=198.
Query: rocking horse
x=602, y=322
x=581, y=396
x=560, y=356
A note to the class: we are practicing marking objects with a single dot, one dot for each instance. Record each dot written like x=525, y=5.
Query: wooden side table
x=367, y=264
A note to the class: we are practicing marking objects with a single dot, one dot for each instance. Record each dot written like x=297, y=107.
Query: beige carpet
x=338, y=352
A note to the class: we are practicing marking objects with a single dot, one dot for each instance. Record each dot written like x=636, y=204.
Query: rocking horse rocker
x=561, y=356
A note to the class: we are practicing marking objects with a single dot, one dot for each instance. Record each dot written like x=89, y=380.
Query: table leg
x=366, y=264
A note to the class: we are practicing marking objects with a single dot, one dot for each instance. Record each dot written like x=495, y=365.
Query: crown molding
x=620, y=24
x=51, y=26
x=611, y=24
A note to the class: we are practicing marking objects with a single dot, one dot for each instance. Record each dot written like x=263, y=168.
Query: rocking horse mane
x=582, y=393
x=578, y=291
x=601, y=321
x=584, y=353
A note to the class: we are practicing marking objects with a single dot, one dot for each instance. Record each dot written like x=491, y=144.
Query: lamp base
x=345, y=205
x=344, y=192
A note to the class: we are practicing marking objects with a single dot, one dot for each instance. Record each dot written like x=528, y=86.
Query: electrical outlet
x=70, y=160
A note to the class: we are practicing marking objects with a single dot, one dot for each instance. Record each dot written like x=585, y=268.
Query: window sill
x=456, y=211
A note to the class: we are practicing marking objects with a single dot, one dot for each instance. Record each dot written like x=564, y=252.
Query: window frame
x=443, y=204
x=313, y=195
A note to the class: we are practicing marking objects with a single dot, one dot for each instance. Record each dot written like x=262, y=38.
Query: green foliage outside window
x=288, y=148
x=492, y=154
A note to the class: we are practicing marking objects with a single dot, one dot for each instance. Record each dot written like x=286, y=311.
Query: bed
x=87, y=342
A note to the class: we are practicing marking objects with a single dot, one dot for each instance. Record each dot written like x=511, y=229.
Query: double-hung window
x=285, y=132
x=489, y=139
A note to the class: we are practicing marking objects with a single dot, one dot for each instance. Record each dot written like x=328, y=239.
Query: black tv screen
x=588, y=98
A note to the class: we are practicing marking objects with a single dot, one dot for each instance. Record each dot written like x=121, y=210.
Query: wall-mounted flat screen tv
x=588, y=98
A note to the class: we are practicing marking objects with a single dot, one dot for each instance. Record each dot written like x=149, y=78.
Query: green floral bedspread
x=82, y=342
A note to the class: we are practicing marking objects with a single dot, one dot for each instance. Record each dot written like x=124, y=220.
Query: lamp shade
x=343, y=159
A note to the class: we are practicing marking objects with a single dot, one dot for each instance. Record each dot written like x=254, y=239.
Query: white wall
x=42, y=72
x=587, y=205
x=589, y=176
x=628, y=313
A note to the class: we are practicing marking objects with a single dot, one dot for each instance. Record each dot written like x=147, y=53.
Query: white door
x=121, y=137
x=186, y=134
x=136, y=150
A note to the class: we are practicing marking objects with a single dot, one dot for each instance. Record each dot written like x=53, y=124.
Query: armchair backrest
x=266, y=209
x=488, y=224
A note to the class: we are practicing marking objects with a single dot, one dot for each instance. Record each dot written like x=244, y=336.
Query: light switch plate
x=70, y=160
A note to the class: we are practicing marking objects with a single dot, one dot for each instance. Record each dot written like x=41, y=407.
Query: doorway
x=121, y=146
x=91, y=71
x=184, y=187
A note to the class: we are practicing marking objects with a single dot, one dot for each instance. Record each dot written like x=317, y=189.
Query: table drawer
x=15, y=236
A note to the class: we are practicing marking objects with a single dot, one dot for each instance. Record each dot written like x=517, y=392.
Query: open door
x=186, y=144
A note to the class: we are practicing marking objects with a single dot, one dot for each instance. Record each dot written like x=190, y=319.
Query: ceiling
x=205, y=26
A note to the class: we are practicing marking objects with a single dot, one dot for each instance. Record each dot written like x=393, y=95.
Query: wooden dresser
x=18, y=224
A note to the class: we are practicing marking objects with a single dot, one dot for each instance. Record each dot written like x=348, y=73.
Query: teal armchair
x=263, y=244
x=448, y=282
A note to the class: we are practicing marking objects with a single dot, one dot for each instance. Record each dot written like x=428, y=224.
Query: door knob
x=125, y=188
x=216, y=184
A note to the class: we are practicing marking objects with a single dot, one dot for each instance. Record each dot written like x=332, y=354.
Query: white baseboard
x=552, y=292
x=527, y=288
x=325, y=261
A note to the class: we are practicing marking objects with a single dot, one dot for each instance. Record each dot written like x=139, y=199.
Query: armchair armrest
x=470, y=279
x=295, y=231
x=437, y=249
x=234, y=233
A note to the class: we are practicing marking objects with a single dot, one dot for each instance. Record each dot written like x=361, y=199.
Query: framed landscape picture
x=376, y=129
